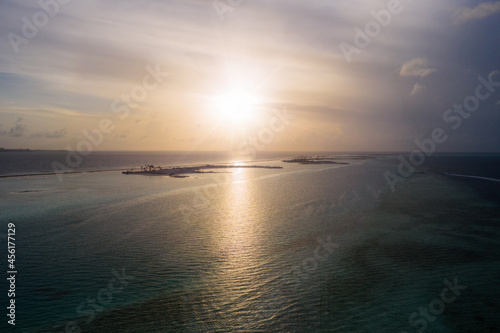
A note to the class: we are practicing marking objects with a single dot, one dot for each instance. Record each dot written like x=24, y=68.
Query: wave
x=475, y=177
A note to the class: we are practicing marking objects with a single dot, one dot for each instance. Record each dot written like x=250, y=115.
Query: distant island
x=181, y=172
x=6, y=150
x=27, y=150
x=313, y=160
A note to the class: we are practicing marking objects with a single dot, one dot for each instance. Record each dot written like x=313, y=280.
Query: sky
x=276, y=75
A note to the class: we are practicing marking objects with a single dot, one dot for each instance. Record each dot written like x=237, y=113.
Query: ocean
x=305, y=248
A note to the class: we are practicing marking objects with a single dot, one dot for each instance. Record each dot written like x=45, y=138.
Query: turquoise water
x=242, y=251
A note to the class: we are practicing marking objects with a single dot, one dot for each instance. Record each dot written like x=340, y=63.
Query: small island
x=17, y=150
x=183, y=171
x=313, y=160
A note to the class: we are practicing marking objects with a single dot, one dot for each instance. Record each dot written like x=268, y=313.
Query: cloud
x=416, y=67
x=69, y=78
x=418, y=88
x=15, y=131
x=470, y=14
x=50, y=135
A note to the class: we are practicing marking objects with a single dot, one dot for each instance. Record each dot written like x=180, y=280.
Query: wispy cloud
x=15, y=131
x=51, y=135
x=418, y=88
x=470, y=14
x=417, y=67
x=69, y=78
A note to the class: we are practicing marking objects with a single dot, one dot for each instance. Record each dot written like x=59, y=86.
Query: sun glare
x=236, y=106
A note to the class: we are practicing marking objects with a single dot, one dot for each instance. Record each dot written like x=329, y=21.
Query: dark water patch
x=174, y=312
x=426, y=256
x=162, y=313
x=43, y=290
x=409, y=243
x=58, y=295
x=477, y=165
x=486, y=189
x=477, y=306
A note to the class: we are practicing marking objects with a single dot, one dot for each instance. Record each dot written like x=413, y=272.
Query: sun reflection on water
x=240, y=270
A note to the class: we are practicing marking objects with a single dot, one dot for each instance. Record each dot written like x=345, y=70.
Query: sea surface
x=305, y=248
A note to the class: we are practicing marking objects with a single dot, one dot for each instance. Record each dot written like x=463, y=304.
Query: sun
x=236, y=106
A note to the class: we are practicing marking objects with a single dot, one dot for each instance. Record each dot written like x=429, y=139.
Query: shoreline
x=62, y=173
x=181, y=172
